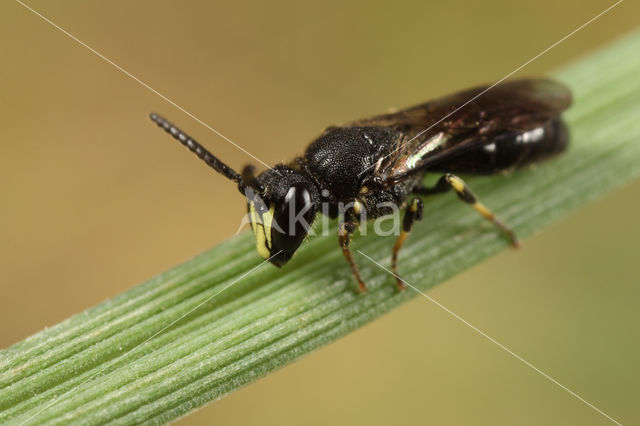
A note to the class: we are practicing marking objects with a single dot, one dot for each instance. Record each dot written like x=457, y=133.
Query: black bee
x=372, y=164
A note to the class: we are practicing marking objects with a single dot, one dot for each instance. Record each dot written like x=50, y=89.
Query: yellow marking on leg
x=488, y=214
x=400, y=241
x=460, y=187
x=483, y=210
x=394, y=257
x=357, y=206
x=412, y=214
x=456, y=183
x=344, y=239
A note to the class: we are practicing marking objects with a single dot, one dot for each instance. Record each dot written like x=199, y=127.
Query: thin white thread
x=499, y=81
x=500, y=345
x=142, y=83
x=208, y=299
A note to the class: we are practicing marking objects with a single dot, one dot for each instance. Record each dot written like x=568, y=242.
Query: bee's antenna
x=214, y=162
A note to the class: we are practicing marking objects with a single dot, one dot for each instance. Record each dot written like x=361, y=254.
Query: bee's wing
x=438, y=129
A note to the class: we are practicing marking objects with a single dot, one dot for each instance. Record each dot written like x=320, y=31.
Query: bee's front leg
x=345, y=229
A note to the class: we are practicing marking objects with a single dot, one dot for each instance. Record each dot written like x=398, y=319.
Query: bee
x=373, y=164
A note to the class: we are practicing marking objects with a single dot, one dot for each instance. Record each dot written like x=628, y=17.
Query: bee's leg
x=450, y=181
x=345, y=229
x=413, y=213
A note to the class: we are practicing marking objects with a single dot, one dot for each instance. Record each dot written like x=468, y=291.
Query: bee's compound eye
x=298, y=197
x=293, y=217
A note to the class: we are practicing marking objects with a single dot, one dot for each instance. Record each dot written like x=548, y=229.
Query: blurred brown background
x=95, y=199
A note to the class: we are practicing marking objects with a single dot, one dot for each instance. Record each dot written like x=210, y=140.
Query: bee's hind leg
x=413, y=213
x=450, y=181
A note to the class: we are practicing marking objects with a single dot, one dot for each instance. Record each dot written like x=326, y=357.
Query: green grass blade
x=93, y=367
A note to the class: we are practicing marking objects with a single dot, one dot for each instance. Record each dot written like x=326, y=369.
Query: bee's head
x=282, y=202
x=282, y=206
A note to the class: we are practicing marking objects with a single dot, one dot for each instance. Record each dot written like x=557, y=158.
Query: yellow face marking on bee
x=261, y=227
x=364, y=190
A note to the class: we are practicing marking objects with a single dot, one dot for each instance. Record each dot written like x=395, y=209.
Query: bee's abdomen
x=510, y=151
